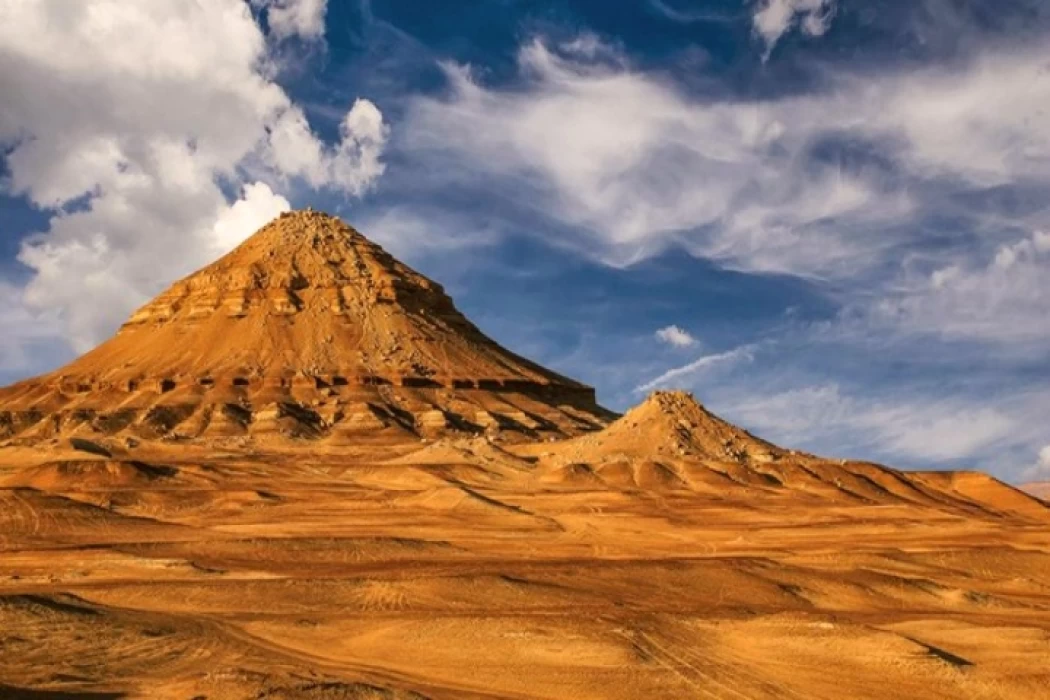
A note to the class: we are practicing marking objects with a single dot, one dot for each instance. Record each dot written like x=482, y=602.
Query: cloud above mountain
x=906, y=195
x=151, y=161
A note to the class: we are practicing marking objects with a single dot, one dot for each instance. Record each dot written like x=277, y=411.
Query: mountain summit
x=310, y=324
x=673, y=423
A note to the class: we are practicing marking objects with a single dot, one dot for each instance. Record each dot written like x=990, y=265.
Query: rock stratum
x=306, y=330
x=301, y=473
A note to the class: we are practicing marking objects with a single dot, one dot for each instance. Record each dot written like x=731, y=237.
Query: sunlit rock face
x=306, y=330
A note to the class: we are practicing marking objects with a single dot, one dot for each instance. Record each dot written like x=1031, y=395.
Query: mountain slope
x=305, y=328
x=671, y=443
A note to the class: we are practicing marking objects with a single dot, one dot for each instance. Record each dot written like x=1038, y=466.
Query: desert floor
x=467, y=570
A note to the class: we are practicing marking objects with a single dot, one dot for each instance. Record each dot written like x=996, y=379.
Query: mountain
x=302, y=473
x=670, y=443
x=672, y=423
x=310, y=336
x=306, y=330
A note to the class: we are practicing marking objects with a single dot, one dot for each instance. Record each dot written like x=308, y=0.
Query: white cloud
x=631, y=165
x=624, y=165
x=304, y=18
x=678, y=337
x=1041, y=470
x=258, y=206
x=411, y=234
x=1002, y=300
x=25, y=333
x=352, y=165
x=774, y=18
x=690, y=15
x=687, y=373
x=953, y=122
x=131, y=120
x=914, y=427
x=634, y=165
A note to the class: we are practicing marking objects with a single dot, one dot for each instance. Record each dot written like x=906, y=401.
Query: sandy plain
x=468, y=569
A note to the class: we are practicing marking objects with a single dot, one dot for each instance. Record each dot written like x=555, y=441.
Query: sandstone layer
x=306, y=330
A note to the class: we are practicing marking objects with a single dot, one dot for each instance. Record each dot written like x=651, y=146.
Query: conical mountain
x=305, y=329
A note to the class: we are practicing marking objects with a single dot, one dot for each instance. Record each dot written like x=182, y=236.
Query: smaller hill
x=670, y=424
x=670, y=442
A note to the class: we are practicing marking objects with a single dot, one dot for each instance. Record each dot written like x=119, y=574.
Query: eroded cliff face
x=306, y=330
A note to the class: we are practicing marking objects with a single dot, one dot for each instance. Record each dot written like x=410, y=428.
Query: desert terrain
x=302, y=473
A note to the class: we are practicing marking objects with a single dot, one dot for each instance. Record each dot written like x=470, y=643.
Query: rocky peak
x=673, y=424
x=297, y=257
x=306, y=313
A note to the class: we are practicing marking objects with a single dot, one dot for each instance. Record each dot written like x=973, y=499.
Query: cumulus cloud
x=257, y=206
x=26, y=334
x=1041, y=470
x=1001, y=300
x=132, y=122
x=352, y=165
x=678, y=337
x=303, y=18
x=774, y=18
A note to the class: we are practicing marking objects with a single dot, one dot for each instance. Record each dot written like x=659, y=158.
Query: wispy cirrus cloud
x=631, y=165
x=686, y=13
x=685, y=374
x=1000, y=300
x=923, y=429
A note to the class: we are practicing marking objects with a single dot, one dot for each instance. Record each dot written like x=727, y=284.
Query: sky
x=828, y=219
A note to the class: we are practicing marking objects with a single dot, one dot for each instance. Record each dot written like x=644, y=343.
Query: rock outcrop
x=672, y=424
x=307, y=330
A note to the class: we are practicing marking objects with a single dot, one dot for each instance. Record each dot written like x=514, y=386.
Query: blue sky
x=829, y=219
